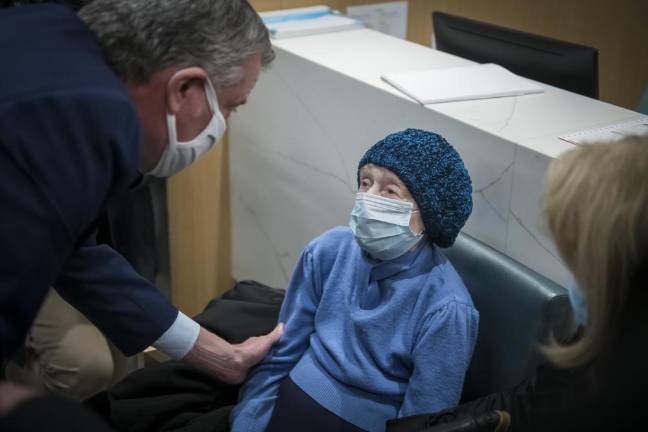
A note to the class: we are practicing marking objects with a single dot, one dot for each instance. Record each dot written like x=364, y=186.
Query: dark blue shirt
x=69, y=140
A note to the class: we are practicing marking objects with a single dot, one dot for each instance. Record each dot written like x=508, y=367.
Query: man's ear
x=184, y=88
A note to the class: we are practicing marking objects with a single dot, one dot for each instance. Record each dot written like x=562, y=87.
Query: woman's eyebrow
x=392, y=179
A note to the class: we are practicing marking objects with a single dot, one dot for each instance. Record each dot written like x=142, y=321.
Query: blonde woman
x=596, y=208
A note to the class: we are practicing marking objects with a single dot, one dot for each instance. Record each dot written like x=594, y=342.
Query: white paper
x=461, y=83
x=610, y=133
x=389, y=18
x=306, y=21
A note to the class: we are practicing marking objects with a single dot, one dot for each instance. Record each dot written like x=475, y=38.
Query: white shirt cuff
x=178, y=340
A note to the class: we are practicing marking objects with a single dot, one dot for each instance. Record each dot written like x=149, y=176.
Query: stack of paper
x=305, y=21
x=461, y=83
x=613, y=132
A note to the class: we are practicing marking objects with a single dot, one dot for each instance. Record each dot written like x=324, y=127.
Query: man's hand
x=12, y=395
x=230, y=363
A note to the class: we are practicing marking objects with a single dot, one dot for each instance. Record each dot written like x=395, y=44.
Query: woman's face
x=377, y=180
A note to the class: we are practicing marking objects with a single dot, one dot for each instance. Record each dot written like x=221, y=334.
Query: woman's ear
x=184, y=90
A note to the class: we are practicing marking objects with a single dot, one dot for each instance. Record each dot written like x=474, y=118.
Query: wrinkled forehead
x=379, y=173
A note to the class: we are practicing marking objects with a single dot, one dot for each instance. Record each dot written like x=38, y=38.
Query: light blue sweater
x=368, y=340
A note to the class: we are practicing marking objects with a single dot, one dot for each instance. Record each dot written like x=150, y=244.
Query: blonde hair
x=596, y=207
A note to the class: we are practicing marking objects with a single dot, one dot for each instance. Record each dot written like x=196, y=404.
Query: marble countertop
x=533, y=121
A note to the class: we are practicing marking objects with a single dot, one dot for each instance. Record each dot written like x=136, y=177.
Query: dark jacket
x=69, y=140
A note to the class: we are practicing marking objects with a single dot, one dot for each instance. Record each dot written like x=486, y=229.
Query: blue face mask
x=577, y=303
x=381, y=226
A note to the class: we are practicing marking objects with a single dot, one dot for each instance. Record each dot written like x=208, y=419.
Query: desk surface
x=533, y=121
x=296, y=144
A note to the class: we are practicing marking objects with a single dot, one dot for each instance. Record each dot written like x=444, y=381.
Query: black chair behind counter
x=518, y=308
x=562, y=64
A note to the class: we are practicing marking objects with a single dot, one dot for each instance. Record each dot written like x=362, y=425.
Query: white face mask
x=179, y=155
x=381, y=226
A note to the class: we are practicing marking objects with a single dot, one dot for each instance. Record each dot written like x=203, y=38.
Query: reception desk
x=296, y=144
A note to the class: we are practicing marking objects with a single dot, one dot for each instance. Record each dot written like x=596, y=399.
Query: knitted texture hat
x=435, y=175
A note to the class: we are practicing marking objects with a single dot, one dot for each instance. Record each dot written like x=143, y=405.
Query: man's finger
x=275, y=334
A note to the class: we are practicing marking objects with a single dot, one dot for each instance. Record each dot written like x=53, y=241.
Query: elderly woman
x=378, y=323
x=596, y=206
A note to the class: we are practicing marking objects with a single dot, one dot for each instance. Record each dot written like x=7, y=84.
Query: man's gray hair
x=141, y=37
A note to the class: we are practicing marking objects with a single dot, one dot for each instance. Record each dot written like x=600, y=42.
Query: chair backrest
x=562, y=64
x=518, y=308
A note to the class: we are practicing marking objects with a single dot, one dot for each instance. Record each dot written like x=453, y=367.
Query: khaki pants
x=67, y=355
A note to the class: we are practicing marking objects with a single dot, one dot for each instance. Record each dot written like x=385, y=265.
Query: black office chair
x=518, y=309
x=562, y=64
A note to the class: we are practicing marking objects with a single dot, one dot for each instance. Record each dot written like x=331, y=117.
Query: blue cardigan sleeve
x=258, y=394
x=441, y=357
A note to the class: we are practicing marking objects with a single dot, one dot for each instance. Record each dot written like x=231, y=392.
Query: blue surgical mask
x=381, y=226
x=577, y=303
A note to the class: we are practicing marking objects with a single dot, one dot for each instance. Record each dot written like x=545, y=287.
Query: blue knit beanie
x=435, y=175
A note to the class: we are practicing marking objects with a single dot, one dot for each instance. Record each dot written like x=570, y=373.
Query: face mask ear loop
x=171, y=128
x=212, y=100
x=210, y=94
